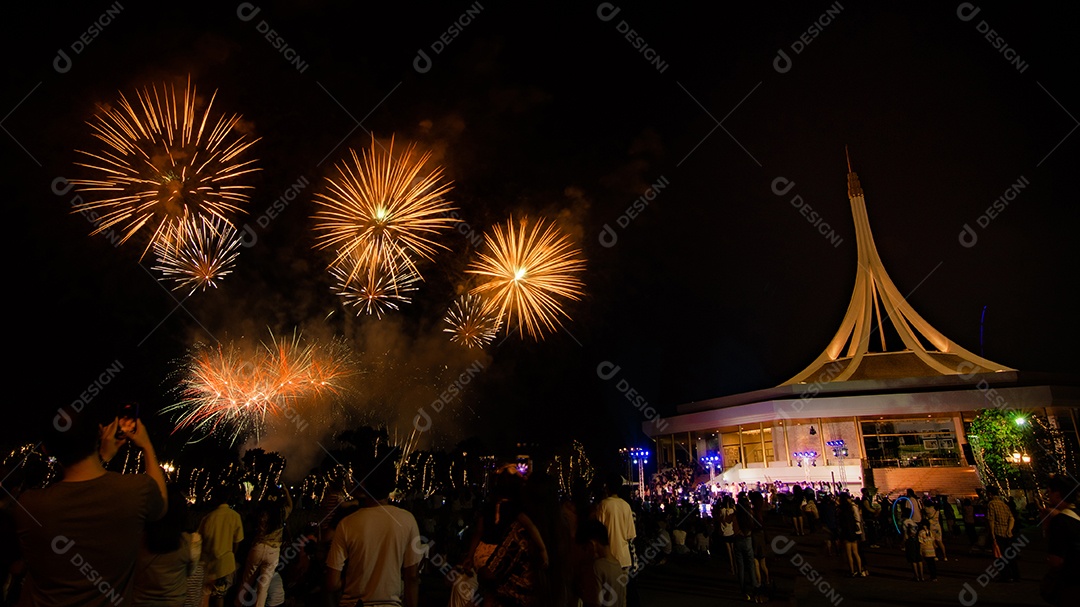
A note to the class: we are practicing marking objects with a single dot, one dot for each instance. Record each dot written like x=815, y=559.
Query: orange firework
x=470, y=324
x=228, y=390
x=162, y=162
x=223, y=390
x=527, y=271
x=197, y=252
x=381, y=213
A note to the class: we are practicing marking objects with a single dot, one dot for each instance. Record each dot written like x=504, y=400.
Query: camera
x=128, y=417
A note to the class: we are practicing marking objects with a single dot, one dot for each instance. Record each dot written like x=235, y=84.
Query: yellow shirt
x=220, y=530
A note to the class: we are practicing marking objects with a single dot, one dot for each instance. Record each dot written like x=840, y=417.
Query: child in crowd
x=913, y=550
x=600, y=581
x=928, y=549
x=933, y=516
x=810, y=510
x=701, y=540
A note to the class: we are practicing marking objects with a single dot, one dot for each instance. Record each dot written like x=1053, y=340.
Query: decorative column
x=764, y=453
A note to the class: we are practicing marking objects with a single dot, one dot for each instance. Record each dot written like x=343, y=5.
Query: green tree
x=996, y=434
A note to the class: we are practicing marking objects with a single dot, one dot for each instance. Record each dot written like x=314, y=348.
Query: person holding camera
x=81, y=536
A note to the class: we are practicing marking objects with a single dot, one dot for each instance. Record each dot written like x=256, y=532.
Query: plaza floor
x=806, y=576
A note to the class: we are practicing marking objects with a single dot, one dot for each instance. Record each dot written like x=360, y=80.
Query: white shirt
x=727, y=529
x=616, y=515
x=372, y=545
x=916, y=509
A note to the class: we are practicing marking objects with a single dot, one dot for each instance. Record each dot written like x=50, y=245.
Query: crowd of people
x=101, y=538
x=684, y=514
x=96, y=537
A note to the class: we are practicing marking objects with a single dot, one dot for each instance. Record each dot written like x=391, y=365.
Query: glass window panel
x=683, y=456
x=712, y=442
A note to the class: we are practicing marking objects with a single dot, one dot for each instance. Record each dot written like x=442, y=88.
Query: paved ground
x=807, y=577
x=823, y=579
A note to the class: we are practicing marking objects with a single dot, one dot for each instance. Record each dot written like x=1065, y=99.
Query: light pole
x=1022, y=459
x=840, y=452
x=806, y=460
x=711, y=461
x=637, y=456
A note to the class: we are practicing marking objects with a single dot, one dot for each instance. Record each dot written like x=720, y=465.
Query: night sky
x=717, y=286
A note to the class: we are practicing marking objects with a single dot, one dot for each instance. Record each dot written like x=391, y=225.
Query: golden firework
x=526, y=272
x=164, y=158
x=470, y=324
x=196, y=252
x=375, y=292
x=381, y=213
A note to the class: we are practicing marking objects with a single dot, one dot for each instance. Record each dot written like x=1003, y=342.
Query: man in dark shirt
x=81, y=536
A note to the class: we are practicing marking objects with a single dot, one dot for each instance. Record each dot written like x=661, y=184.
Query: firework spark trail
x=526, y=272
x=374, y=292
x=470, y=324
x=328, y=367
x=197, y=252
x=161, y=163
x=380, y=214
x=406, y=445
x=221, y=390
x=224, y=390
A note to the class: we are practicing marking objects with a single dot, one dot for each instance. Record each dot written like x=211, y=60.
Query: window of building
x=912, y=442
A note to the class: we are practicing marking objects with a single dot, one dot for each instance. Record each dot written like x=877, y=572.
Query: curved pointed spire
x=853, y=187
x=874, y=290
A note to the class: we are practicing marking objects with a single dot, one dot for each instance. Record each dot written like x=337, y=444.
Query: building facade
x=890, y=417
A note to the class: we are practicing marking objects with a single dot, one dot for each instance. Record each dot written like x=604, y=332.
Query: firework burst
x=469, y=323
x=163, y=159
x=526, y=272
x=227, y=391
x=375, y=292
x=197, y=252
x=381, y=213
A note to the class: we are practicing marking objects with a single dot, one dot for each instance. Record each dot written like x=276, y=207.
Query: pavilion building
x=900, y=412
